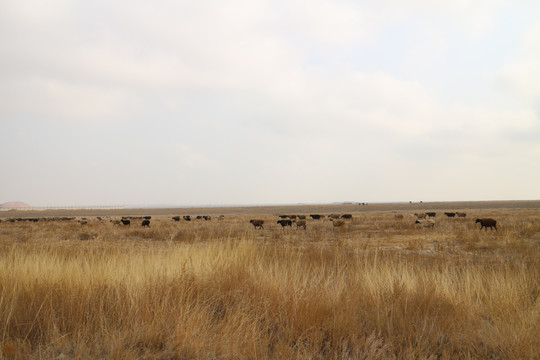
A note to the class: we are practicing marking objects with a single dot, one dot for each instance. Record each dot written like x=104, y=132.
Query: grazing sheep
x=450, y=214
x=145, y=223
x=126, y=222
x=487, y=223
x=420, y=216
x=460, y=214
x=427, y=223
x=284, y=223
x=301, y=223
x=398, y=216
x=431, y=214
x=257, y=223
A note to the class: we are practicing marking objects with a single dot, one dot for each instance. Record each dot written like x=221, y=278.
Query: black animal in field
x=487, y=223
x=257, y=223
x=284, y=223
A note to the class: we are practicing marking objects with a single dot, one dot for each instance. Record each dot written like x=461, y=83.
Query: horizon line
x=171, y=206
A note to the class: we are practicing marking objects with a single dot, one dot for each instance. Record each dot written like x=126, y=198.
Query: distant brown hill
x=14, y=205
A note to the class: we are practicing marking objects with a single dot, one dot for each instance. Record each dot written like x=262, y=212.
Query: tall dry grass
x=379, y=288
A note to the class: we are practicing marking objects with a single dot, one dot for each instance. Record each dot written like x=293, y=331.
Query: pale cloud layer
x=246, y=102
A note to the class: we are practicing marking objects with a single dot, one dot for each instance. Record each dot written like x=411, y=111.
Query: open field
x=376, y=288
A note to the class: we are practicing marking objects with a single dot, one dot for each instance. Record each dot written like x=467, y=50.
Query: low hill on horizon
x=14, y=205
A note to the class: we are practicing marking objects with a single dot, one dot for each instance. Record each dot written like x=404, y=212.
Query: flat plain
x=378, y=287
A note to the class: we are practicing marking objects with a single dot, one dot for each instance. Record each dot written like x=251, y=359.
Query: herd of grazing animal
x=426, y=220
x=301, y=220
x=423, y=220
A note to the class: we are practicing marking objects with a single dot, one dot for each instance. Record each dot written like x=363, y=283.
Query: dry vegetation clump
x=378, y=288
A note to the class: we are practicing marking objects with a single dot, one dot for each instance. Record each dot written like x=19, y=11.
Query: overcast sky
x=260, y=102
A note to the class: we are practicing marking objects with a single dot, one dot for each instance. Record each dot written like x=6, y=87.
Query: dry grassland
x=378, y=288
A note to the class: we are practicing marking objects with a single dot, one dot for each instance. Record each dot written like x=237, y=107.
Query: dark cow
x=207, y=217
x=147, y=217
x=146, y=223
x=450, y=214
x=431, y=214
x=284, y=223
x=187, y=217
x=284, y=216
x=346, y=216
x=487, y=223
x=316, y=216
x=176, y=218
x=257, y=223
x=126, y=222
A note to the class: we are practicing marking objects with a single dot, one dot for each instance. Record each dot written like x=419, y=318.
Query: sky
x=213, y=102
